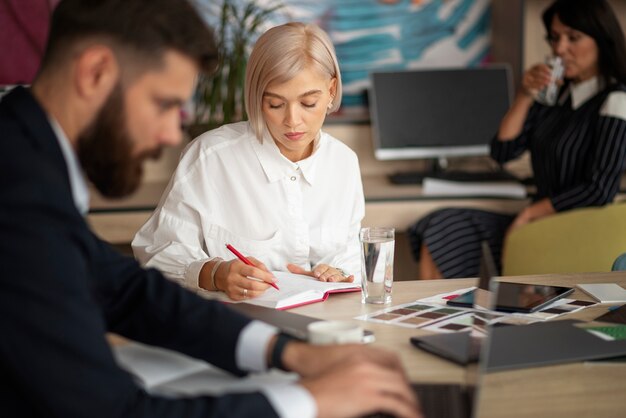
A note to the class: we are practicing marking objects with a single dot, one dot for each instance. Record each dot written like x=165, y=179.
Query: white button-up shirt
x=230, y=188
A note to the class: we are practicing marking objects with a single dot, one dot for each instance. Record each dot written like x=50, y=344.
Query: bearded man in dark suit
x=108, y=95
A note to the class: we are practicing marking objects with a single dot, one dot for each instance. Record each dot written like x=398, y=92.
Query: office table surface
x=580, y=389
x=117, y=220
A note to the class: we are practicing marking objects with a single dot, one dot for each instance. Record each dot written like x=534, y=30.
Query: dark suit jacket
x=62, y=288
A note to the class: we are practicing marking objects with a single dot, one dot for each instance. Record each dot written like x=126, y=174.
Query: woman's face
x=295, y=111
x=578, y=51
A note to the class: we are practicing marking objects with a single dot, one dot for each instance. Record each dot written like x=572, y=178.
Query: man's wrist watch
x=276, y=359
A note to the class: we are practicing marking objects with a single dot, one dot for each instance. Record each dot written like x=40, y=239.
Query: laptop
x=290, y=323
x=457, y=400
x=461, y=347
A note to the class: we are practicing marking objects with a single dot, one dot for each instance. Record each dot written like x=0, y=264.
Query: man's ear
x=97, y=71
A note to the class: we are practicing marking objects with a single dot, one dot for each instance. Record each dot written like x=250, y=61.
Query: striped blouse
x=578, y=147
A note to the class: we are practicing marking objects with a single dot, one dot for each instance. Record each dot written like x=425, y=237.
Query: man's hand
x=312, y=360
x=352, y=380
x=365, y=381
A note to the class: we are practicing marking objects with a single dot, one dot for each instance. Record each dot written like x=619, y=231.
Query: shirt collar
x=276, y=166
x=584, y=91
x=80, y=191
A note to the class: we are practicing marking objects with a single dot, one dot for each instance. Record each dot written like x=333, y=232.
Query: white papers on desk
x=604, y=292
x=166, y=372
x=437, y=187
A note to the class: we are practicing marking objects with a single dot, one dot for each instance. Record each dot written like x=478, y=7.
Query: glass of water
x=377, y=245
x=549, y=95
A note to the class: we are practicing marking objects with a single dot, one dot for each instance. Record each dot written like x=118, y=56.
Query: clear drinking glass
x=550, y=93
x=377, y=247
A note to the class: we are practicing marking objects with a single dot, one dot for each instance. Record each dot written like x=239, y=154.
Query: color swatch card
x=439, y=317
x=412, y=315
x=442, y=298
x=474, y=321
x=558, y=308
x=608, y=333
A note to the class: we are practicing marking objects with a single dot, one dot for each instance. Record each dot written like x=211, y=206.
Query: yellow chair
x=576, y=241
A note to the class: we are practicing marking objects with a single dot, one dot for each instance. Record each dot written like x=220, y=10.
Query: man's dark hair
x=145, y=28
x=596, y=19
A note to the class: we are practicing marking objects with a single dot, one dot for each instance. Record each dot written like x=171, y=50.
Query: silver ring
x=343, y=273
x=244, y=292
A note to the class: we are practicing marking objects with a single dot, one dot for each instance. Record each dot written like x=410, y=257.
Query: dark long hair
x=596, y=19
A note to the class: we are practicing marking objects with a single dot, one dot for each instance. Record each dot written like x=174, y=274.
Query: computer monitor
x=437, y=113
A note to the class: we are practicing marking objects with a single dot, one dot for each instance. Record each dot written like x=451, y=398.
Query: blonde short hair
x=278, y=56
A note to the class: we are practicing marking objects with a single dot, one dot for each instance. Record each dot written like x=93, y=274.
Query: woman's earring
x=330, y=105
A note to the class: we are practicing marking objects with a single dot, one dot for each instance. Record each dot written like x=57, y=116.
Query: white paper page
x=167, y=372
x=154, y=366
x=217, y=382
x=604, y=292
x=437, y=187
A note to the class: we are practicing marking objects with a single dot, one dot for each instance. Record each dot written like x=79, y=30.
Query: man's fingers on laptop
x=362, y=388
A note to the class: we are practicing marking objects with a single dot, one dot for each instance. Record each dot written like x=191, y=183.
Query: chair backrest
x=619, y=263
x=577, y=241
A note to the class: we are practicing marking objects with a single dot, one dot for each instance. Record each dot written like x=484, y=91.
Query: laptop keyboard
x=441, y=401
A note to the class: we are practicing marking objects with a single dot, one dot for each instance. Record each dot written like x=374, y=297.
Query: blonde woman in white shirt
x=277, y=187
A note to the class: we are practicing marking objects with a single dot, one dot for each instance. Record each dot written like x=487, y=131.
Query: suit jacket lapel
x=35, y=123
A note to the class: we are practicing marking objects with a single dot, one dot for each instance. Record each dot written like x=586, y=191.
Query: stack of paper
x=604, y=292
x=436, y=187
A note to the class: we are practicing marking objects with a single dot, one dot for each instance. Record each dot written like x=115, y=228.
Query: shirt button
x=293, y=178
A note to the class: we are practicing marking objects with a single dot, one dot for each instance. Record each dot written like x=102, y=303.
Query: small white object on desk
x=334, y=332
x=437, y=187
x=604, y=292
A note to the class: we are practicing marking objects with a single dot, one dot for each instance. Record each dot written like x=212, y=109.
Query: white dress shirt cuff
x=291, y=401
x=251, y=351
x=192, y=273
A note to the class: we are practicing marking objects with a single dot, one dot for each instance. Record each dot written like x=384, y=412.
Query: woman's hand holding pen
x=323, y=273
x=234, y=278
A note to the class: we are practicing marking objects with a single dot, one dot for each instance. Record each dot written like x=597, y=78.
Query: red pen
x=248, y=262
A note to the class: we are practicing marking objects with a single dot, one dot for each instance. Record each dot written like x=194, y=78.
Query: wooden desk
x=579, y=389
x=386, y=204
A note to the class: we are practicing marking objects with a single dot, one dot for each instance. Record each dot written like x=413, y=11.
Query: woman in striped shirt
x=577, y=147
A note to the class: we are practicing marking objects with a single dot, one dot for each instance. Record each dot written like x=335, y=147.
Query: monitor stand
x=437, y=168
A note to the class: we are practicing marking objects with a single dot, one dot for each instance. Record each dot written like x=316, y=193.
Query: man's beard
x=105, y=150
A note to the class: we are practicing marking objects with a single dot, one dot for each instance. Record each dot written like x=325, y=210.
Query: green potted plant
x=220, y=99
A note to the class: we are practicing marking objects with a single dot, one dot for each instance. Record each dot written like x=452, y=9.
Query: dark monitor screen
x=437, y=113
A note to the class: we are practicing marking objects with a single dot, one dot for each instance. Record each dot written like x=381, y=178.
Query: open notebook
x=297, y=290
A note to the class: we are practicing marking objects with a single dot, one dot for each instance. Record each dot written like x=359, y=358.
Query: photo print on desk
x=412, y=315
x=561, y=307
x=438, y=317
